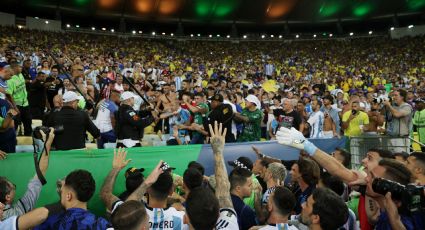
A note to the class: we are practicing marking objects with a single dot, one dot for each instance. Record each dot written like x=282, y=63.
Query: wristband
x=310, y=148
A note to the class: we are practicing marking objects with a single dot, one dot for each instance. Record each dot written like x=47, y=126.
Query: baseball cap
x=217, y=97
x=126, y=95
x=4, y=65
x=253, y=99
x=70, y=96
x=130, y=172
x=242, y=162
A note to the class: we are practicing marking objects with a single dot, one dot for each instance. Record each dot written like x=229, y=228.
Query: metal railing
x=359, y=146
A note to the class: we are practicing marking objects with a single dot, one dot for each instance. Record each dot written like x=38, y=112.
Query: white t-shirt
x=162, y=218
x=227, y=220
x=279, y=226
x=10, y=223
x=103, y=118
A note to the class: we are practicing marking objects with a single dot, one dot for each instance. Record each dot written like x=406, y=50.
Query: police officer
x=129, y=125
x=222, y=113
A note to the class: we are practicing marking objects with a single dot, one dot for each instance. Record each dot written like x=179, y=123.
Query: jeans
x=108, y=137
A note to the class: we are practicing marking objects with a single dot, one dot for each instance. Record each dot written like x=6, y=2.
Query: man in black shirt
x=75, y=123
x=37, y=96
x=288, y=117
x=222, y=113
x=53, y=84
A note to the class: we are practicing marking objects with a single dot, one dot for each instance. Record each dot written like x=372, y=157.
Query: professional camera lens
x=383, y=186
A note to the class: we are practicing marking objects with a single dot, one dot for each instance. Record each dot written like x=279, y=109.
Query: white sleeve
x=10, y=223
x=227, y=220
x=116, y=205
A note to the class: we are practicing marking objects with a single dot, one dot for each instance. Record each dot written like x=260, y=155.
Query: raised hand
x=217, y=138
x=154, y=174
x=120, y=161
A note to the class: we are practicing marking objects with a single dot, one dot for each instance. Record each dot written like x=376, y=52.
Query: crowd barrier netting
x=19, y=168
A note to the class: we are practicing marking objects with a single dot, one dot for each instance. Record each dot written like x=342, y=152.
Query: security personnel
x=222, y=113
x=129, y=125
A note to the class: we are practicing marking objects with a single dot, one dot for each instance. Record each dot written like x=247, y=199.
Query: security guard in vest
x=222, y=113
x=129, y=125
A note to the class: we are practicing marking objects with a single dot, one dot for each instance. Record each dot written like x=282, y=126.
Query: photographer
x=399, y=119
x=28, y=201
x=383, y=183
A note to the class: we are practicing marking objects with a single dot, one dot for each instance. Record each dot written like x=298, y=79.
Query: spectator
x=7, y=127
x=105, y=119
x=376, y=119
x=222, y=113
x=354, y=121
x=399, y=119
x=17, y=88
x=251, y=116
x=75, y=124
x=77, y=189
x=331, y=125
x=37, y=96
x=287, y=117
x=316, y=120
x=343, y=157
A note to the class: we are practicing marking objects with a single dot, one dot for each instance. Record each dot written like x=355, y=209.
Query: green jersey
x=252, y=128
x=199, y=117
x=17, y=88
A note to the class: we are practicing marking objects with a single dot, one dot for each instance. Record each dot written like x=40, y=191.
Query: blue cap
x=4, y=64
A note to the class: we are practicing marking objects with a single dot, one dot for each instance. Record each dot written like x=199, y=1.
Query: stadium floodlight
x=218, y=35
x=103, y=28
x=371, y=32
x=163, y=33
x=314, y=35
x=191, y=35
x=47, y=22
x=134, y=32
x=392, y=28
x=330, y=35
x=36, y=17
x=93, y=28
x=228, y=36
x=199, y=35
x=280, y=36
x=263, y=36
x=351, y=34
x=297, y=36
x=153, y=33
x=19, y=27
x=272, y=36
x=140, y=32
x=245, y=36
x=68, y=25
x=210, y=36
x=172, y=34
x=78, y=26
x=410, y=26
x=112, y=30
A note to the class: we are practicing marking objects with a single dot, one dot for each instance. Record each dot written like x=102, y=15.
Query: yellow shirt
x=353, y=129
x=331, y=87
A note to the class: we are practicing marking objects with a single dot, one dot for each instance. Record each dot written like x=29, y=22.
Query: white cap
x=253, y=99
x=126, y=95
x=70, y=96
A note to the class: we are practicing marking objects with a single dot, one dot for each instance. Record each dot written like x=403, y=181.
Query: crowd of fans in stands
x=119, y=89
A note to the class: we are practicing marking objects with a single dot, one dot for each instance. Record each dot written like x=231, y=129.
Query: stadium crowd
x=118, y=89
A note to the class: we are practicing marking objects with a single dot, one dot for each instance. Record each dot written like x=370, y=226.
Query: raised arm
x=222, y=190
x=294, y=138
x=141, y=190
x=118, y=163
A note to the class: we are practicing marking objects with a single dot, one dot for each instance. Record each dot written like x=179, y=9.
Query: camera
x=381, y=99
x=37, y=134
x=411, y=196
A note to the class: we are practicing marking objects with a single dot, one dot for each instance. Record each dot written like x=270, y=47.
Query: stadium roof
x=206, y=15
